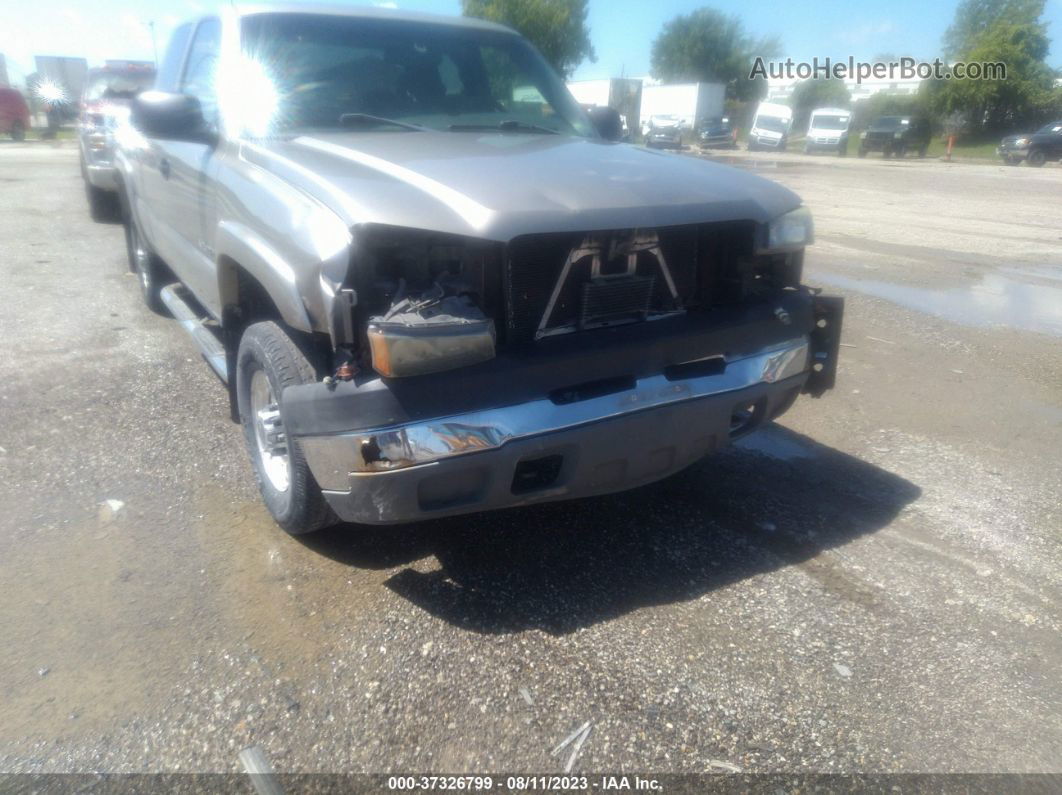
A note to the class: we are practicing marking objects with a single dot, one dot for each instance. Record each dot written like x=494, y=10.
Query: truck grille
x=620, y=276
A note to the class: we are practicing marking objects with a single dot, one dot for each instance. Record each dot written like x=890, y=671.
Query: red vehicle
x=14, y=114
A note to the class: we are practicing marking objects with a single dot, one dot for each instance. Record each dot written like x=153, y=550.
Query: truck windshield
x=772, y=123
x=829, y=123
x=322, y=71
x=118, y=85
x=889, y=123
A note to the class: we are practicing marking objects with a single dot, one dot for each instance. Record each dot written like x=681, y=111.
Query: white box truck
x=686, y=103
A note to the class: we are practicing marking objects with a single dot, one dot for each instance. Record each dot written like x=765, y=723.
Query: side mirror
x=607, y=122
x=172, y=117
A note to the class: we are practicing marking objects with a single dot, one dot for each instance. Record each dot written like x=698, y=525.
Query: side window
x=201, y=67
x=450, y=76
x=169, y=75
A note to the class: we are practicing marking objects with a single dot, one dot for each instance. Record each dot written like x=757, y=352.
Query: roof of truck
x=837, y=111
x=368, y=12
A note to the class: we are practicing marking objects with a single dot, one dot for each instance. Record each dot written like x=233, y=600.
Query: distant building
x=782, y=90
x=4, y=80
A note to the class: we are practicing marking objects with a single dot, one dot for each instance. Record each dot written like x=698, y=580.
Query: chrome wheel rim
x=269, y=433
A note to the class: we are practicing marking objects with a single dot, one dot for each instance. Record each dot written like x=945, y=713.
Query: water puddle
x=1027, y=299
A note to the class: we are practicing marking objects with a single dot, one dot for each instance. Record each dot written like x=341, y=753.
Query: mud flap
x=828, y=311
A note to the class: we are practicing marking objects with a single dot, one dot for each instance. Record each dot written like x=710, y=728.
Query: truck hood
x=500, y=185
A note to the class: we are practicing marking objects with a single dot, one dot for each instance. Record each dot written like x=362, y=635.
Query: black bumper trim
x=637, y=350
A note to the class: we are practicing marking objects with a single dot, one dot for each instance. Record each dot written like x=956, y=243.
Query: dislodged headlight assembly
x=791, y=231
x=428, y=334
x=426, y=301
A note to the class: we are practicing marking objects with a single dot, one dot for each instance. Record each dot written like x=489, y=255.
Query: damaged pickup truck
x=435, y=285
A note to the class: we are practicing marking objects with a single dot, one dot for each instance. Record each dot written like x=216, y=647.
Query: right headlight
x=792, y=230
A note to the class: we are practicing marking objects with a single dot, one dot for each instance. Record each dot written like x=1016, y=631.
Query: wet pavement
x=871, y=585
x=1009, y=298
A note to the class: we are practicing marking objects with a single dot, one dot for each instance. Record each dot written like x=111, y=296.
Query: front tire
x=269, y=361
x=1036, y=158
x=149, y=270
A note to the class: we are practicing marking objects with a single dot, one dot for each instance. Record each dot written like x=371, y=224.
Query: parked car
x=665, y=132
x=828, y=130
x=14, y=114
x=1036, y=148
x=105, y=107
x=895, y=135
x=770, y=127
x=428, y=297
x=716, y=133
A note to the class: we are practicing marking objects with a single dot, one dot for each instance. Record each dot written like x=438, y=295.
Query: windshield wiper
x=509, y=125
x=368, y=118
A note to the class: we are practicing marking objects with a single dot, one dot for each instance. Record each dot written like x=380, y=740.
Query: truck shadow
x=778, y=501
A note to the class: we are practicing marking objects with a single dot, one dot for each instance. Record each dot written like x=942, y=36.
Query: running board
x=174, y=296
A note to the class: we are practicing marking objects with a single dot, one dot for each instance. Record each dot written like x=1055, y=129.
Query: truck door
x=183, y=167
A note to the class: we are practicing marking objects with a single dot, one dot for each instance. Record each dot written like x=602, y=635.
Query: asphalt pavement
x=871, y=585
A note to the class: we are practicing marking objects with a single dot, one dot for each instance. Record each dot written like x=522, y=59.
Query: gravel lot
x=872, y=585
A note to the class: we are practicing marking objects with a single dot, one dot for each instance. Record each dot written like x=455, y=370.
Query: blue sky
x=622, y=30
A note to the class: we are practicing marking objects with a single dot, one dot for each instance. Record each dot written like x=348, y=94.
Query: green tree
x=556, y=27
x=707, y=45
x=973, y=18
x=1024, y=96
x=817, y=93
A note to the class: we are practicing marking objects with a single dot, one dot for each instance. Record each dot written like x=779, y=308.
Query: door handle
x=164, y=168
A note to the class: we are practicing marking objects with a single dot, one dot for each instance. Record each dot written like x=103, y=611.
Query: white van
x=828, y=129
x=770, y=127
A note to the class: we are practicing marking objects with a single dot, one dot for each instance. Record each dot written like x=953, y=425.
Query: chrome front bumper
x=104, y=177
x=97, y=149
x=470, y=462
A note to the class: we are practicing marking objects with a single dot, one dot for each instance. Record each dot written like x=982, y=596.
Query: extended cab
x=434, y=286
